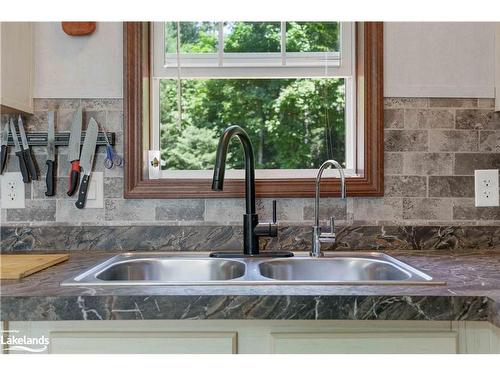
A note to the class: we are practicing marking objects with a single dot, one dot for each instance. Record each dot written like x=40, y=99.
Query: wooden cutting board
x=17, y=266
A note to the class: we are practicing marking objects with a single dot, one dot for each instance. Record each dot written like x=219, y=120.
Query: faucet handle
x=269, y=229
x=273, y=226
x=329, y=236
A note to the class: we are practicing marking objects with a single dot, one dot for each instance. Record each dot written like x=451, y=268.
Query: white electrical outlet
x=12, y=186
x=95, y=194
x=486, y=187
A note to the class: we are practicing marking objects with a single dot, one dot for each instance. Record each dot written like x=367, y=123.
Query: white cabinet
x=16, y=67
x=143, y=342
x=495, y=340
x=263, y=336
x=366, y=343
x=478, y=337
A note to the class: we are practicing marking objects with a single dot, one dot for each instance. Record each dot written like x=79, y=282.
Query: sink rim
x=251, y=276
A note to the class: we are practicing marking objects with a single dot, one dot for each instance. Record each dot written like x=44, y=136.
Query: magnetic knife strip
x=61, y=139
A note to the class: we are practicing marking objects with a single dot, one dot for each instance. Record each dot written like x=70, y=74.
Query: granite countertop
x=472, y=292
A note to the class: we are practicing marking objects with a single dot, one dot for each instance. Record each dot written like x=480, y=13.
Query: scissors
x=112, y=158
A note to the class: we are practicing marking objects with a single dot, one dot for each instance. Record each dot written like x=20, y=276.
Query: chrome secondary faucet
x=319, y=237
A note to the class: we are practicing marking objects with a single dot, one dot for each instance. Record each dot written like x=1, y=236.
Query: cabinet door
x=16, y=66
x=495, y=340
x=143, y=342
x=365, y=343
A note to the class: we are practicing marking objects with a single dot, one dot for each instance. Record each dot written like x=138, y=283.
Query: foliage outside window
x=295, y=121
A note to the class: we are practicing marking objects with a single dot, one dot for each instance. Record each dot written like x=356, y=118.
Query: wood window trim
x=136, y=113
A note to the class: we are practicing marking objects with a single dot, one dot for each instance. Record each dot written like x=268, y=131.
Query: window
x=161, y=66
x=290, y=85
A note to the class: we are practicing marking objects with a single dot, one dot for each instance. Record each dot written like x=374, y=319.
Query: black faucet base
x=239, y=254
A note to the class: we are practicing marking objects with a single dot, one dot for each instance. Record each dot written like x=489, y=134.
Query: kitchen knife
x=4, y=140
x=19, y=153
x=28, y=159
x=86, y=160
x=51, y=151
x=75, y=138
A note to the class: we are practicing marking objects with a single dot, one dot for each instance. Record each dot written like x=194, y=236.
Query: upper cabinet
x=16, y=66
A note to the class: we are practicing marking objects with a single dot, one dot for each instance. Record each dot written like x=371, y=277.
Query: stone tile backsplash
x=226, y=237
x=432, y=147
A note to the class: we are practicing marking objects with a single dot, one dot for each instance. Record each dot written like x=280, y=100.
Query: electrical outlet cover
x=486, y=187
x=95, y=194
x=13, y=190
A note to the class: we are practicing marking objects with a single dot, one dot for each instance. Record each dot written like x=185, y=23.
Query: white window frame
x=263, y=65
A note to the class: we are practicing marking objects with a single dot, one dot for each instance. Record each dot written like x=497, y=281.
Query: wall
x=439, y=59
x=78, y=67
x=444, y=59
x=432, y=147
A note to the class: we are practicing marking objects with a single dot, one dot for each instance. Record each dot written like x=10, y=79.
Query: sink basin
x=333, y=269
x=159, y=269
x=199, y=269
x=172, y=270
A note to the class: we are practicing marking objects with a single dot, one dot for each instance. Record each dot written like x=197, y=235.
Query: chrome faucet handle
x=329, y=236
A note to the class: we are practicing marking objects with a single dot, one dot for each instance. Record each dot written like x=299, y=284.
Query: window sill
x=260, y=174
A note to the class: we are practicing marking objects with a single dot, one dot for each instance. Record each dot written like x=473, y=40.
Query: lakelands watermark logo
x=12, y=341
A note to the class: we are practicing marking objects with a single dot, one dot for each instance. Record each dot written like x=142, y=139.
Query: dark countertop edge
x=48, y=308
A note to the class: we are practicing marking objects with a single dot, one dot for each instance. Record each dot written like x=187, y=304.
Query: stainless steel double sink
x=199, y=269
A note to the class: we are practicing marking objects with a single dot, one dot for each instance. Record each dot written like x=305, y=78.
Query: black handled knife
x=28, y=159
x=86, y=160
x=51, y=151
x=19, y=153
x=4, y=140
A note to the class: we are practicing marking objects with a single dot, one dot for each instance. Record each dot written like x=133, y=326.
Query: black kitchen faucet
x=252, y=229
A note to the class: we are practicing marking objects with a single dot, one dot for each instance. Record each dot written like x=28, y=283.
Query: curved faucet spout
x=220, y=164
x=329, y=163
x=318, y=236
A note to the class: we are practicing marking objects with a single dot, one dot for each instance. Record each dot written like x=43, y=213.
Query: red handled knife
x=75, y=138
